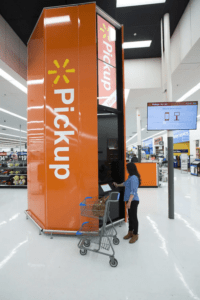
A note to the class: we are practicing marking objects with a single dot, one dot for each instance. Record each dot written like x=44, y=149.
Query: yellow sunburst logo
x=51, y=72
x=105, y=30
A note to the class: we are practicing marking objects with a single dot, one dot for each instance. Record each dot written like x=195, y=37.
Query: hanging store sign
x=181, y=151
x=148, y=143
x=3, y=153
x=181, y=136
x=22, y=157
x=157, y=140
x=4, y=157
x=107, y=94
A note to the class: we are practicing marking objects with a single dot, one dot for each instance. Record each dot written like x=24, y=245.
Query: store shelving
x=7, y=179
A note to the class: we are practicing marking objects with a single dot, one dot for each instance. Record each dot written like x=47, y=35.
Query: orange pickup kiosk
x=76, y=114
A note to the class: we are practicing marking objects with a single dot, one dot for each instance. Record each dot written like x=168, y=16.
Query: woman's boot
x=129, y=235
x=133, y=239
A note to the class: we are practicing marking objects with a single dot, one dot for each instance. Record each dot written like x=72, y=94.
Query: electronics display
x=172, y=115
x=107, y=94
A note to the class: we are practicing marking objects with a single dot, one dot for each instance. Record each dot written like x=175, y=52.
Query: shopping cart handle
x=85, y=223
x=83, y=204
x=78, y=233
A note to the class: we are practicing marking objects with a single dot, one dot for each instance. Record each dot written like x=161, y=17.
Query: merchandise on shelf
x=13, y=174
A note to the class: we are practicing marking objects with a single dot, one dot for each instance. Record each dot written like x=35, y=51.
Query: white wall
x=194, y=135
x=186, y=35
x=142, y=73
x=13, y=52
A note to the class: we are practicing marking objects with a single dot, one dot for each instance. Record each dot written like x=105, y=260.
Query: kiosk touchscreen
x=172, y=115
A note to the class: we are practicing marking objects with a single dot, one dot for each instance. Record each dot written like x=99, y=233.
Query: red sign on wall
x=3, y=153
x=106, y=42
x=107, y=95
x=107, y=85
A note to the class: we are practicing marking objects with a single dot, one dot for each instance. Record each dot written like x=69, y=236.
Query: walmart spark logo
x=105, y=30
x=51, y=72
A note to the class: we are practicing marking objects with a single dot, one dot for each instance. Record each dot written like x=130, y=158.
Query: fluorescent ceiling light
x=57, y=20
x=139, y=44
x=13, y=81
x=38, y=81
x=12, y=114
x=131, y=138
x=124, y=3
x=189, y=93
x=12, y=135
x=161, y=132
x=12, y=128
x=8, y=139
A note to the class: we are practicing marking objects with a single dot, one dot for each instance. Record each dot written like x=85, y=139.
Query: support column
x=139, y=139
x=20, y=138
x=169, y=133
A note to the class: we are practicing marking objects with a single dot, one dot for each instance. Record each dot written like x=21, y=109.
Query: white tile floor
x=163, y=264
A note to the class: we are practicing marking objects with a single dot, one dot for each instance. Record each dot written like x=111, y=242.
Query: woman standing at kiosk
x=132, y=200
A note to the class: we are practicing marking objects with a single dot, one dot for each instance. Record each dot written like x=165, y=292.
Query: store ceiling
x=144, y=20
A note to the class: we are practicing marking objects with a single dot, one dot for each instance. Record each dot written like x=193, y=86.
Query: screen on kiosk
x=172, y=115
x=107, y=95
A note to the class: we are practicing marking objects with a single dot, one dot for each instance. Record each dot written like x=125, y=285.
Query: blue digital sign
x=172, y=115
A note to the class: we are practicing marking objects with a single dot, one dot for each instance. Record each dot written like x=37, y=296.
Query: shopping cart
x=91, y=234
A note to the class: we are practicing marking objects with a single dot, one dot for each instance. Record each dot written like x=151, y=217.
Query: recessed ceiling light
x=135, y=34
x=124, y=3
x=139, y=44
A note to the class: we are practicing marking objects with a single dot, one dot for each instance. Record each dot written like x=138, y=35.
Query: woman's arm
x=118, y=185
x=129, y=201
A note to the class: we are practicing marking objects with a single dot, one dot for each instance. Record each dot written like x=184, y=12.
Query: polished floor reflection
x=163, y=264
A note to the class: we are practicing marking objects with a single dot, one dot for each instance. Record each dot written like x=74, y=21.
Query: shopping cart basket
x=89, y=232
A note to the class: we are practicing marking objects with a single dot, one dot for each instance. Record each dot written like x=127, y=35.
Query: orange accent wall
x=57, y=47
x=148, y=173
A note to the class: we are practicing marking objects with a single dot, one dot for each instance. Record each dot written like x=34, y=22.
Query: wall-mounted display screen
x=107, y=94
x=172, y=115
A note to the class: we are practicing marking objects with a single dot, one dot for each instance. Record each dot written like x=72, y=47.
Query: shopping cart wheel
x=87, y=243
x=83, y=251
x=113, y=262
x=116, y=241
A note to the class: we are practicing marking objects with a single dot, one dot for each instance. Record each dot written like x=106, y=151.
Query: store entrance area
x=162, y=262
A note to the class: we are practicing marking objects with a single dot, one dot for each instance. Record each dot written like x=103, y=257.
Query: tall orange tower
x=62, y=112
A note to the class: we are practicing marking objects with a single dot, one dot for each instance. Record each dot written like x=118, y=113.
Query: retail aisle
x=163, y=264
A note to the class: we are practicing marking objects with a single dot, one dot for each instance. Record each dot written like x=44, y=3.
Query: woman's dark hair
x=132, y=170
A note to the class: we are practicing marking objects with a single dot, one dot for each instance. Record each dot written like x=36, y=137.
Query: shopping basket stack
x=90, y=233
